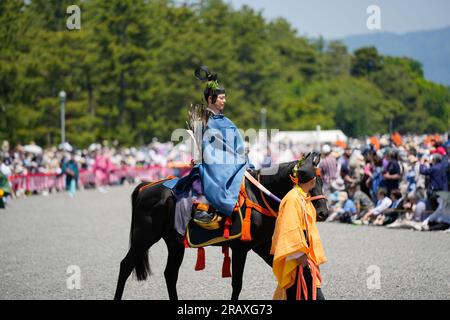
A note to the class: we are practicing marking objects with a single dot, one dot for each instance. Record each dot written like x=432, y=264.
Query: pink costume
x=102, y=168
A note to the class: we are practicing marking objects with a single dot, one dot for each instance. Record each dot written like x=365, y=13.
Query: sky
x=335, y=19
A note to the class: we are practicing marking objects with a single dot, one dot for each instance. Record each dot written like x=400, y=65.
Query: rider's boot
x=202, y=213
x=206, y=217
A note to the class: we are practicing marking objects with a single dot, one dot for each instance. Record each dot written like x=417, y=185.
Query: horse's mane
x=281, y=182
x=284, y=170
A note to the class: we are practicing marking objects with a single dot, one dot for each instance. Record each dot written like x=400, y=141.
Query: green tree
x=366, y=61
x=337, y=61
x=128, y=73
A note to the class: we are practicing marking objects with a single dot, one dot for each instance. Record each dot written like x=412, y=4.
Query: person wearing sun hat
x=296, y=243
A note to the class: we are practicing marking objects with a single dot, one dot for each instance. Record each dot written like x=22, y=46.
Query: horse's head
x=281, y=183
x=320, y=204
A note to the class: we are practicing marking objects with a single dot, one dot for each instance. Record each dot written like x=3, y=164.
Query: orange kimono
x=296, y=215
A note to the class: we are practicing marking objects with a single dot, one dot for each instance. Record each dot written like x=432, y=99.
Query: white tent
x=315, y=137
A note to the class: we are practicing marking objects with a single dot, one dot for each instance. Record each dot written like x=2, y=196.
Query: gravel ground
x=43, y=238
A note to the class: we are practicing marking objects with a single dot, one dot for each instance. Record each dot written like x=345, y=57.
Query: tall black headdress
x=305, y=170
x=213, y=88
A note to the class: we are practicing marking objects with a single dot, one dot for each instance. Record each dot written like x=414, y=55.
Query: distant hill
x=431, y=48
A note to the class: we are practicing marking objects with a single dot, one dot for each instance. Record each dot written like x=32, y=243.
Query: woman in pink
x=102, y=168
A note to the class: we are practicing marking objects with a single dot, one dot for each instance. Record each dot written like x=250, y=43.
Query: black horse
x=153, y=214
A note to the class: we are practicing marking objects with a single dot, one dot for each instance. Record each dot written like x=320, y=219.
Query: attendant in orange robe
x=296, y=243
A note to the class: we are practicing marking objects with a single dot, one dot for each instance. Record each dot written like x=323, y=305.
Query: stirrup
x=214, y=224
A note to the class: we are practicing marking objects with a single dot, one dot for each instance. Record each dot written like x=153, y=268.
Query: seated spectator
x=416, y=214
x=417, y=206
x=343, y=209
x=337, y=186
x=384, y=202
x=440, y=219
x=361, y=201
x=393, y=213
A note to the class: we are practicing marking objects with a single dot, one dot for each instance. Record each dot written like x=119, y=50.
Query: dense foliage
x=128, y=74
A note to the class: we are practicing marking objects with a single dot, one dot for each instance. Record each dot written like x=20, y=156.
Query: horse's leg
x=128, y=263
x=263, y=250
x=239, y=256
x=174, y=260
x=126, y=267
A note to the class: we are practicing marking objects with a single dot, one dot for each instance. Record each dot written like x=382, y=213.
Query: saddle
x=218, y=229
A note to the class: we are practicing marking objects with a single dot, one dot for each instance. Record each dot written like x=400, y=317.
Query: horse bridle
x=266, y=203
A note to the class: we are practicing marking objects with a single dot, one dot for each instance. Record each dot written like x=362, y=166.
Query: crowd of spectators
x=384, y=180
x=402, y=182
x=394, y=181
x=99, y=159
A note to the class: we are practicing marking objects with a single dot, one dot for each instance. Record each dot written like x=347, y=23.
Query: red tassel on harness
x=226, y=229
x=226, y=267
x=200, y=265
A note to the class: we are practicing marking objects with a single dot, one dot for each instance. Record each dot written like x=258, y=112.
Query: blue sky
x=339, y=18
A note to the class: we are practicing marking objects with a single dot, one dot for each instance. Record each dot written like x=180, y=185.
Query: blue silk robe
x=224, y=163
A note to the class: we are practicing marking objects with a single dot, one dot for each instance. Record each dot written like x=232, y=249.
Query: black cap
x=306, y=171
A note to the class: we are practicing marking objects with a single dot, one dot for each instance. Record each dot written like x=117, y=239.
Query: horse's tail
x=142, y=267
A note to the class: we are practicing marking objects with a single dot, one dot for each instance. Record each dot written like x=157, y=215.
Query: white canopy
x=310, y=137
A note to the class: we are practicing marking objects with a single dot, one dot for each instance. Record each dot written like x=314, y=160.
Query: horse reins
x=263, y=191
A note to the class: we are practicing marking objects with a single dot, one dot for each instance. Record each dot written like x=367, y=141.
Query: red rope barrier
x=38, y=182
